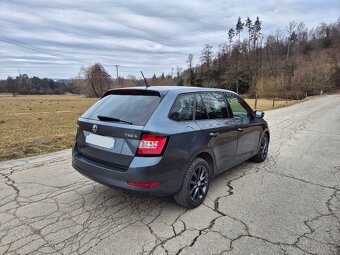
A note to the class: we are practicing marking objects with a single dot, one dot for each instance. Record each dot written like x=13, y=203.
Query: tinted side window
x=238, y=107
x=215, y=105
x=201, y=112
x=183, y=108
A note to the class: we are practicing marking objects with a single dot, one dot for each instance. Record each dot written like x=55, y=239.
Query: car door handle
x=214, y=134
x=240, y=129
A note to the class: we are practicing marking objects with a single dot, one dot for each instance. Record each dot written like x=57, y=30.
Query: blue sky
x=56, y=38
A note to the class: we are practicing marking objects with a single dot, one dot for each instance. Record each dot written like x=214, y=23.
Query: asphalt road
x=290, y=204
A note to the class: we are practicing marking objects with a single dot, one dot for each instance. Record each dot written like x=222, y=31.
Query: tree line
x=22, y=84
x=289, y=63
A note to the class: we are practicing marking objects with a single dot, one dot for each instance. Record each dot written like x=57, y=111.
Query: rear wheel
x=195, y=184
x=263, y=149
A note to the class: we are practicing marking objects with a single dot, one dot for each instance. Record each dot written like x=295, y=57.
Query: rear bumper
x=142, y=169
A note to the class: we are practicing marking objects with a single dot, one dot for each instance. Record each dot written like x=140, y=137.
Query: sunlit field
x=31, y=125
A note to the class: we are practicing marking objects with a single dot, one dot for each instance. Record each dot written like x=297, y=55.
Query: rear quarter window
x=132, y=108
x=183, y=108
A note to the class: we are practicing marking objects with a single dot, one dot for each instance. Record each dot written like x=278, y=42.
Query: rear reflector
x=151, y=145
x=144, y=184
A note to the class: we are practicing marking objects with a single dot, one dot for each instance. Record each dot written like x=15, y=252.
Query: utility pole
x=117, y=74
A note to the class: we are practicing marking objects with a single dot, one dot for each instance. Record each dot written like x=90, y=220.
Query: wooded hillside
x=289, y=63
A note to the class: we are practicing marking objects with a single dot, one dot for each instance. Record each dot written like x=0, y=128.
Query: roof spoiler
x=134, y=91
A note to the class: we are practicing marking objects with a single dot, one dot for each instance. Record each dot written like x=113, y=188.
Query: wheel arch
x=266, y=131
x=208, y=158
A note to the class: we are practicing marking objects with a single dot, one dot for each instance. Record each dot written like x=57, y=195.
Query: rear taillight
x=151, y=145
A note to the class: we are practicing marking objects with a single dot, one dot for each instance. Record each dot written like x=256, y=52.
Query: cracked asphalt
x=290, y=204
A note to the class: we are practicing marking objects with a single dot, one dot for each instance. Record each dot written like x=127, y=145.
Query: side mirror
x=259, y=114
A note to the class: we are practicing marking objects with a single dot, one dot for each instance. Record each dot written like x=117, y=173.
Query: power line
x=33, y=48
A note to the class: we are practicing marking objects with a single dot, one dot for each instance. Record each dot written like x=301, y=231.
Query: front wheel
x=263, y=149
x=195, y=184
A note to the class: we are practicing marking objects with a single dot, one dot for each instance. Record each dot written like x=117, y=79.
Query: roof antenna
x=146, y=83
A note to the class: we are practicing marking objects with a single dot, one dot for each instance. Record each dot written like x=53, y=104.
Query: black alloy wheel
x=195, y=184
x=263, y=149
x=198, y=183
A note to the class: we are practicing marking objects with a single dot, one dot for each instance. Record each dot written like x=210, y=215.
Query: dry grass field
x=267, y=104
x=31, y=125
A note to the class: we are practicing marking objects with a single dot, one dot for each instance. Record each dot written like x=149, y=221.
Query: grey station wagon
x=167, y=140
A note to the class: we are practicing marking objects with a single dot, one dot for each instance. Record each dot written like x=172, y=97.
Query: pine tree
x=239, y=28
x=249, y=25
x=231, y=34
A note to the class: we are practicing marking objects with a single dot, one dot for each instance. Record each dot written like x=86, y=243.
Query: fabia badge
x=94, y=128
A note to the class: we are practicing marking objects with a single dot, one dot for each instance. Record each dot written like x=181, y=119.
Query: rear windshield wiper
x=108, y=118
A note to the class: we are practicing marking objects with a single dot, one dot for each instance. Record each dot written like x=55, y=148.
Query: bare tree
x=189, y=60
x=191, y=77
x=98, y=80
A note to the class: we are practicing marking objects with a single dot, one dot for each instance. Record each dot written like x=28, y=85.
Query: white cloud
x=150, y=35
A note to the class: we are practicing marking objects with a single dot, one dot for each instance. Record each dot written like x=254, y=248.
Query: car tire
x=195, y=184
x=263, y=149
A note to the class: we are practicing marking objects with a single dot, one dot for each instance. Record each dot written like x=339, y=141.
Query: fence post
x=255, y=102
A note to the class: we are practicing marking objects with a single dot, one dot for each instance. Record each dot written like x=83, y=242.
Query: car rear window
x=132, y=108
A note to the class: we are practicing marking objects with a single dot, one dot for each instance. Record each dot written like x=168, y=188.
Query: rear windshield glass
x=132, y=108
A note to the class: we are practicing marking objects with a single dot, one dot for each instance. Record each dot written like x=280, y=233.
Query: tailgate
x=109, y=143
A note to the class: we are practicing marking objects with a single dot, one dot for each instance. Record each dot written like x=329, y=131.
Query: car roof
x=176, y=89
